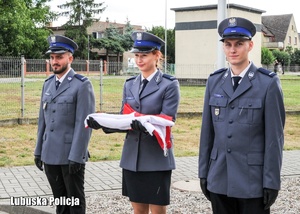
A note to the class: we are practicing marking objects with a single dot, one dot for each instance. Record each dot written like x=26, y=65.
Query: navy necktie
x=236, y=82
x=57, y=83
x=144, y=83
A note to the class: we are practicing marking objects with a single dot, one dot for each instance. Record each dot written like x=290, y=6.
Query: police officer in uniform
x=146, y=170
x=62, y=139
x=242, y=139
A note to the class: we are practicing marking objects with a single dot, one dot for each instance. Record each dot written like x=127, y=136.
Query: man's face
x=60, y=63
x=236, y=50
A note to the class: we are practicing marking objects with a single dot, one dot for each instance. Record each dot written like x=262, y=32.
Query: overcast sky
x=148, y=13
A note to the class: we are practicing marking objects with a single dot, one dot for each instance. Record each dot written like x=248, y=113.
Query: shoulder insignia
x=170, y=77
x=219, y=71
x=267, y=72
x=131, y=78
x=80, y=77
x=50, y=77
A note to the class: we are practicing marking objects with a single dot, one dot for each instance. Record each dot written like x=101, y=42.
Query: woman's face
x=146, y=62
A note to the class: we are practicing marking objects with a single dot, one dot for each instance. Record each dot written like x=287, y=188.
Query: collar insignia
x=251, y=74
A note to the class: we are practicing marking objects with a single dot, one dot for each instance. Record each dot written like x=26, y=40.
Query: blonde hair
x=161, y=59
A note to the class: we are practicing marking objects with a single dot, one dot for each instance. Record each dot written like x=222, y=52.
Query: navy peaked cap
x=61, y=44
x=235, y=28
x=145, y=42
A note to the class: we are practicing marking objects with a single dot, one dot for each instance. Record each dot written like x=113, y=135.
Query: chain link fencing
x=21, y=82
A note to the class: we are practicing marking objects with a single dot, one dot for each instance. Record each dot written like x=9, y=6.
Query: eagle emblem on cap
x=232, y=22
x=139, y=36
x=53, y=39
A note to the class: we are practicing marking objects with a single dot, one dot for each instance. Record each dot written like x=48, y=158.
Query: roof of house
x=215, y=6
x=277, y=26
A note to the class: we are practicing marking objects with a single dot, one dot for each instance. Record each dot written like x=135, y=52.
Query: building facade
x=197, y=38
x=280, y=32
x=97, y=31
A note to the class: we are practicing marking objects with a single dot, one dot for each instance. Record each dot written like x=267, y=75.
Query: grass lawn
x=17, y=143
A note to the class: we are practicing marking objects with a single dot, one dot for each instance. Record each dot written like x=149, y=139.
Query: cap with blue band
x=61, y=44
x=236, y=27
x=145, y=42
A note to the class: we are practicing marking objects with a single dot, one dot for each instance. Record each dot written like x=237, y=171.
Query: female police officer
x=146, y=170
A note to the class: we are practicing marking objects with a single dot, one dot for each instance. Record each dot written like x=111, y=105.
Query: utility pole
x=221, y=16
x=166, y=17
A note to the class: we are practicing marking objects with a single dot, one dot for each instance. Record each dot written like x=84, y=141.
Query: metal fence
x=21, y=82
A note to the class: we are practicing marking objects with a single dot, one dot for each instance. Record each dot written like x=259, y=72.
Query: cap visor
x=235, y=37
x=142, y=50
x=56, y=52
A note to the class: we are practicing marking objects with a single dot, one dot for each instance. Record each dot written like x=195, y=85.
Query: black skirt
x=147, y=187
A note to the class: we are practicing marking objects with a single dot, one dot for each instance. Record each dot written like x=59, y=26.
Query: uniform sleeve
x=171, y=100
x=85, y=105
x=123, y=97
x=274, y=136
x=41, y=127
x=207, y=136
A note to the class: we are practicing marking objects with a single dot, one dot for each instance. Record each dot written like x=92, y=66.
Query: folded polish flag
x=157, y=125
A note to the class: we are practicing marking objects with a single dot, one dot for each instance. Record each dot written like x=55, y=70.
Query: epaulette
x=266, y=72
x=49, y=78
x=80, y=77
x=170, y=77
x=131, y=78
x=219, y=71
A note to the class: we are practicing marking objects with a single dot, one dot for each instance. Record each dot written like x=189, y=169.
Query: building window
x=98, y=35
x=290, y=40
x=296, y=41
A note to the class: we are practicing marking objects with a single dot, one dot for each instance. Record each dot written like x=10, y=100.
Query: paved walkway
x=28, y=181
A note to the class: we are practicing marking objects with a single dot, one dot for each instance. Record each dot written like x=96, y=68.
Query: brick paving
x=28, y=181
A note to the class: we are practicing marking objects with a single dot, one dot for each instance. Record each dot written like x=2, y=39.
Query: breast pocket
x=66, y=105
x=218, y=108
x=250, y=111
x=46, y=101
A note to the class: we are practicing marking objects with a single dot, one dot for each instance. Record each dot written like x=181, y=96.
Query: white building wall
x=196, y=49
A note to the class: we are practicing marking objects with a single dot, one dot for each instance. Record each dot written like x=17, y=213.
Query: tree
x=282, y=57
x=296, y=57
x=112, y=43
x=267, y=57
x=115, y=41
x=23, y=27
x=160, y=32
x=81, y=15
x=126, y=40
